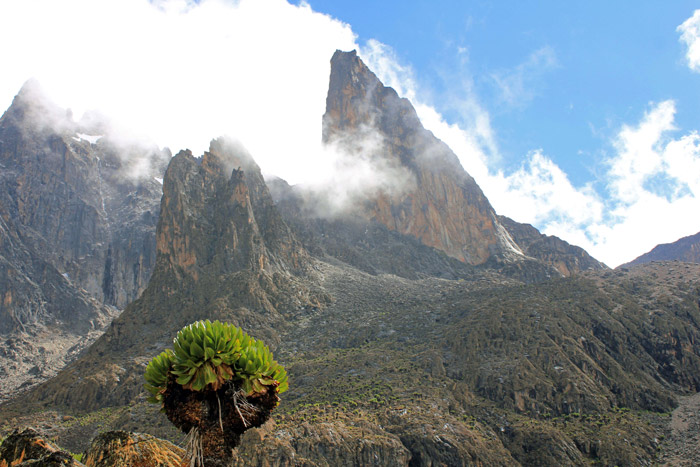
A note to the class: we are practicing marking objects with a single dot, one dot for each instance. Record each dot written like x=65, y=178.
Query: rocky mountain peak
x=430, y=197
x=34, y=112
x=217, y=215
x=443, y=207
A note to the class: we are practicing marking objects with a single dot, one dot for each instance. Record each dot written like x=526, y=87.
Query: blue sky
x=560, y=76
x=580, y=118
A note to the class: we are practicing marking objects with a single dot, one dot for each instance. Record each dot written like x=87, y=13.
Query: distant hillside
x=686, y=249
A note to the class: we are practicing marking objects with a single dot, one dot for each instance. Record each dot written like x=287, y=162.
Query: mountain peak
x=33, y=110
x=444, y=208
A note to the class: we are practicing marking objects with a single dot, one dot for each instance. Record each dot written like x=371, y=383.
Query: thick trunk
x=219, y=416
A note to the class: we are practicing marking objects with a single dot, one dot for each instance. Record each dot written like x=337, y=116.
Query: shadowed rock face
x=88, y=209
x=441, y=205
x=77, y=233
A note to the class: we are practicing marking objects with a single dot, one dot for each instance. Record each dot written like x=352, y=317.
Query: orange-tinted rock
x=123, y=449
x=443, y=207
x=28, y=447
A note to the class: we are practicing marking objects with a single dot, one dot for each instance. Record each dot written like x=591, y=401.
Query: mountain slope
x=686, y=249
x=469, y=367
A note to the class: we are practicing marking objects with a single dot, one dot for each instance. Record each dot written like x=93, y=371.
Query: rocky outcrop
x=436, y=202
x=686, y=249
x=24, y=448
x=124, y=449
x=567, y=259
x=218, y=215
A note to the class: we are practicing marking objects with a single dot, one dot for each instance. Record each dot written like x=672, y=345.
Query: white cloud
x=653, y=187
x=690, y=35
x=183, y=73
x=518, y=86
x=651, y=182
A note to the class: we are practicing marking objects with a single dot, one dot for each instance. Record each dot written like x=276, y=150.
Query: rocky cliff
x=450, y=363
x=438, y=202
x=78, y=212
x=419, y=188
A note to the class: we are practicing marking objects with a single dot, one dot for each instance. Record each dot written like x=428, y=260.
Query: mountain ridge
x=447, y=363
x=685, y=249
x=78, y=234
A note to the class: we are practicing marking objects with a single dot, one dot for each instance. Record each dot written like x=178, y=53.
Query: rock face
x=451, y=363
x=565, y=258
x=89, y=208
x=438, y=202
x=414, y=187
x=77, y=223
x=687, y=249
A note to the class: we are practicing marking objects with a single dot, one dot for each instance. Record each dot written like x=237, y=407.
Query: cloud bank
x=184, y=72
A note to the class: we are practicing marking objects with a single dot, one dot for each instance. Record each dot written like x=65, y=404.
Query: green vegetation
x=205, y=355
x=215, y=368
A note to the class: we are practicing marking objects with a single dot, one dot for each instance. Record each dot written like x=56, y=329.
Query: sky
x=580, y=118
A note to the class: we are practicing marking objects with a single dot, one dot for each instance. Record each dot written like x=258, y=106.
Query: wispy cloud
x=647, y=188
x=690, y=36
x=519, y=86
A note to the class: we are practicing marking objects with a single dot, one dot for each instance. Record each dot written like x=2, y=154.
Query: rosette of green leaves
x=157, y=375
x=207, y=354
x=255, y=370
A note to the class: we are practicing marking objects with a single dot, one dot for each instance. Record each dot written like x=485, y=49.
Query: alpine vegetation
x=215, y=383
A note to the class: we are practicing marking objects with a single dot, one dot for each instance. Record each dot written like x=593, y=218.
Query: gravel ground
x=682, y=446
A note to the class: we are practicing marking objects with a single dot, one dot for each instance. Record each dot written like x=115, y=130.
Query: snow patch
x=159, y=180
x=92, y=139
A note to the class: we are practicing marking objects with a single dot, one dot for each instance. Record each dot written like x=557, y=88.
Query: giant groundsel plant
x=207, y=354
